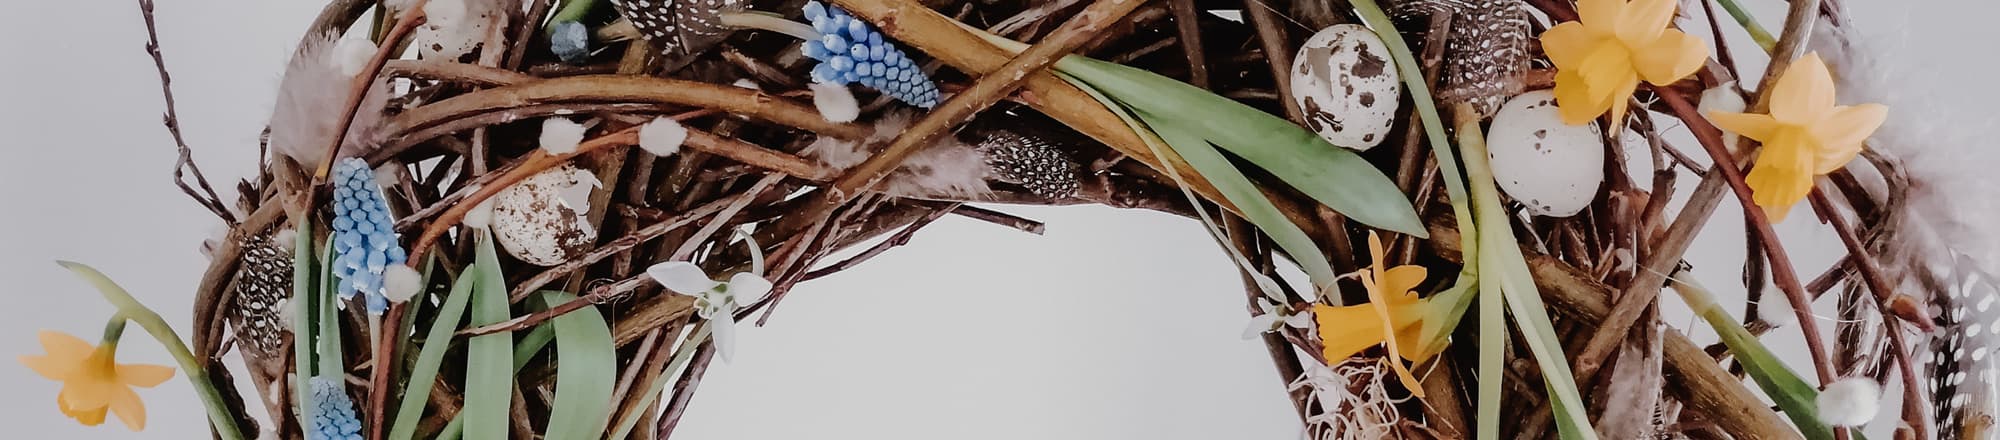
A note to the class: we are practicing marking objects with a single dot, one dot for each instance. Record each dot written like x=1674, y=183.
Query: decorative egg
x=1552, y=167
x=544, y=219
x=1346, y=85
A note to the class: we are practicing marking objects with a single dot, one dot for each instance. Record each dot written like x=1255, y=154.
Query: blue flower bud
x=854, y=52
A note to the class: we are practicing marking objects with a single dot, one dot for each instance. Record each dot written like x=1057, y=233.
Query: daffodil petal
x=1621, y=97
x=1750, y=125
x=64, y=348
x=1347, y=330
x=1603, y=68
x=681, y=277
x=1573, y=99
x=1567, y=43
x=1600, y=16
x=1783, y=173
x=87, y=394
x=1642, y=20
x=1842, y=134
x=1804, y=93
x=47, y=366
x=1381, y=305
x=1669, y=57
x=144, y=375
x=130, y=409
x=1398, y=282
x=1376, y=252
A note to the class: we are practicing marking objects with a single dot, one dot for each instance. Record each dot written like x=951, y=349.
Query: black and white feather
x=951, y=169
x=1033, y=162
x=263, y=286
x=679, y=26
x=1487, y=52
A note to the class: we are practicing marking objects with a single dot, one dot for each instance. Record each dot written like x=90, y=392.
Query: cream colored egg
x=1553, y=168
x=543, y=220
x=1346, y=85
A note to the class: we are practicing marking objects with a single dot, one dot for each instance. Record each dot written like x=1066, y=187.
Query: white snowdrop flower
x=560, y=136
x=662, y=137
x=1722, y=98
x=351, y=55
x=835, y=102
x=1275, y=316
x=481, y=215
x=715, y=301
x=1850, y=402
x=400, y=283
x=746, y=83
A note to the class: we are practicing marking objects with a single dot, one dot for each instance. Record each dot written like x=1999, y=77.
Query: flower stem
x=1749, y=24
x=770, y=22
x=113, y=329
x=130, y=308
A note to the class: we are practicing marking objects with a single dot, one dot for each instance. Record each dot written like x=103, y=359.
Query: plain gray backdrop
x=1115, y=325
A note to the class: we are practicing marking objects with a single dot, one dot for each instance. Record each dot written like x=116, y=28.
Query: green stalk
x=1798, y=399
x=430, y=358
x=571, y=10
x=129, y=308
x=302, y=291
x=681, y=357
x=1750, y=25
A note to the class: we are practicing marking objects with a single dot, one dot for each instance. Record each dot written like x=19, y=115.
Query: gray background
x=1115, y=325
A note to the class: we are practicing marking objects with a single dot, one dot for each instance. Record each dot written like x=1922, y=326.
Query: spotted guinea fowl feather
x=1487, y=50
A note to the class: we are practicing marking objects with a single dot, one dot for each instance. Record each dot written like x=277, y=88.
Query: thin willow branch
x=184, y=164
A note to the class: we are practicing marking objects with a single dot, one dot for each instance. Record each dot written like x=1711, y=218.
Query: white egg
x=1346, y=85
x=541, y=221
x=1553, y=168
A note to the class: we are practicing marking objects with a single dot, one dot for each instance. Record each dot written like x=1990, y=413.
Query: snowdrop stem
x=770, y=22
x=129, y=308
x=1749, y=23
x=681, y=357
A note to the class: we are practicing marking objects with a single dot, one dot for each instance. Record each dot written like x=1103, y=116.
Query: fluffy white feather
x=310, y=99
x=945, y=169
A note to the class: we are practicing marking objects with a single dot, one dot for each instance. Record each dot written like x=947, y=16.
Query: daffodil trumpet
x=94, y=383
x=1601, y=57
x=1805, y=135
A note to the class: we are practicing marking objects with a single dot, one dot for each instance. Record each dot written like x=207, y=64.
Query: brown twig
x=1277, y=52
x=1187, y=19
x=901, y=238
x=363, y=81
x=184, y=164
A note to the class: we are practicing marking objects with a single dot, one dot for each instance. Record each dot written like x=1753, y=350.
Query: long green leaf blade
x=301, y=304
x=586, y=372
x=1331, y=175
x=1240, y=191
x=489, y=378
x=424, y=374
x=1798, y=399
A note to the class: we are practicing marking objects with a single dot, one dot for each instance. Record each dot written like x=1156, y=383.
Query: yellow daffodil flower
x=1601, y=57
x=92, y=382
x=1804, y=136
x=1392, y=317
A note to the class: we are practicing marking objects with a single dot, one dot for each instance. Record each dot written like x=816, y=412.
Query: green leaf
x=331, y=362
x=1331, y=175
x=586, y=374
x=1245, y=195
x=1798, y=399
x=1507, y=271
x=437, y=342
x=681, y=356
x=489, y=372
x=302, y=311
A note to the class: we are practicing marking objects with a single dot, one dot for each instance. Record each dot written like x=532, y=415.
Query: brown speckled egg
x=1347, y=86
x=543, y=220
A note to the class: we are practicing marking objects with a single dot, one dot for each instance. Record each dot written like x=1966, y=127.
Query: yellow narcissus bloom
x=1392, y=317
x=1601, y=57
x=93, y=382
x=1804, y=136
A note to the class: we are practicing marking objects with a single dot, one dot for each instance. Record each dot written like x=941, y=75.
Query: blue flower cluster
x=333, y=416
x=851, y=51
x=364, y=236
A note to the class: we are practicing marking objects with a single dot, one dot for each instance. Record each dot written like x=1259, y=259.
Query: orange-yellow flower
x=92, y=382
x=1804, y=136
x=1601, y=57
x=1392, y=317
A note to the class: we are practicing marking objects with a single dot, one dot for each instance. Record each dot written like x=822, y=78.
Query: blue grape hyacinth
x=851, y=51
x=332, y=417
x=364, y=236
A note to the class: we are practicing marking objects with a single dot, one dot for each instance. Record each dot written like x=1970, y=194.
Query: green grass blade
x=437, y=342
x=1500, y=259
x=1798, y=399
x=302, y=325
x=489, y=378
x=1331, y=175
x=586, y=372
x=331, y=362
x=681, y=357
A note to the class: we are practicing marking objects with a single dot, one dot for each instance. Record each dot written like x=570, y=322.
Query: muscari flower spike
x=364, y=236
x=333, y=416
x=851, y=51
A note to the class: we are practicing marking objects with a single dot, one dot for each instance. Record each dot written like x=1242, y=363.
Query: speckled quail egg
x=543, y=220
x=1346, y=85
x=1553, y=168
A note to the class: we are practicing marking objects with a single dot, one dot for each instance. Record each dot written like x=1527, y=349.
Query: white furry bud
x=662, y=136
x=1722, y=98
x=560, y=136
x=285, y=239
x=1851, y=401
x=835, y=102
x=1776, y=309
x=400, y=283
x=481, y=215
